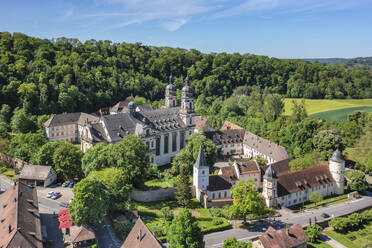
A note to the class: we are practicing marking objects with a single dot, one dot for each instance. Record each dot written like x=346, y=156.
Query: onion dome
x=170, y=86
x=187, y=88
x=337, y=156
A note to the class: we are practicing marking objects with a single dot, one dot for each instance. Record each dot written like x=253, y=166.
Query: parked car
x=71, y=185
x=50, y=194
x=65, y=184
x=64, y=204
x=56, y=195
x=324, y=215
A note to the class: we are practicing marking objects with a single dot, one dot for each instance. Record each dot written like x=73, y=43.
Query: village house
x=165, y=131
x=67, y=127
x=38, y=175
x=141, y=237
x=288, y=237
x=20, y=218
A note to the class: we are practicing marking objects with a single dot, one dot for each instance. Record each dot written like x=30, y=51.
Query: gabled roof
x=280, y=167
x=305, y=179
x=81, y=233
x=141, y=237
x=219, y=182
x=201, y=161
x=229, y=125
x=288, y=237
x=247, y=167
x=231, y=136
x=70, y=118
x=120, y=107
x=19, y=217
x=265, y=146
x=35, y=172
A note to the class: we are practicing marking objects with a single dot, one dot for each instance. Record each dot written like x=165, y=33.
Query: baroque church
x=280, y=187
x=164, y=130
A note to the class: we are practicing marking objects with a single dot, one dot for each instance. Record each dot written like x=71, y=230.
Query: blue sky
x=275, y=28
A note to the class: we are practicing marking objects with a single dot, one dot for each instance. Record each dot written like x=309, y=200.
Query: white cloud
x=173, y=25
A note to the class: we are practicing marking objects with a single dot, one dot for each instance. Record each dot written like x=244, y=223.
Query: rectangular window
x=158, y=146
x=182, y=140
x=174, y=141
x=166, y=143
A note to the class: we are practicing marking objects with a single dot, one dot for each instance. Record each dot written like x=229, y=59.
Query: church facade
x=165, y=130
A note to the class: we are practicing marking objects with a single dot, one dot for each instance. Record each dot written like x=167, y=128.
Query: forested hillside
x=66, y=75
x=364, y=63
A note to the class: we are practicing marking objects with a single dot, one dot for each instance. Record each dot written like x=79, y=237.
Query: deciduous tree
x=67, y=160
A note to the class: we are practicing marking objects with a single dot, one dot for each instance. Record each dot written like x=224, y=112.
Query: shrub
x=2, y=169
x=215, y=212
x=123, y=228
x=217, y=221
x=351, y=236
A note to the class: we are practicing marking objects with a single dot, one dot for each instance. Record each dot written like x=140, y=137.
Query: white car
x=50, y=194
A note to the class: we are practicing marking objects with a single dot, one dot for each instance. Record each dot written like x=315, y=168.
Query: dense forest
x=65, y=75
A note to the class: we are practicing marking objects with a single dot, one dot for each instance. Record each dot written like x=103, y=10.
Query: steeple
x=270, y=174
x=337, y=156
x=201, y=161
x=170, y=94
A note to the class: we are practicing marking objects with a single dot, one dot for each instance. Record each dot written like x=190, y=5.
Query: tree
x=261, y=160
x=4, y=130
x=89, y=204
x=313, y=232
x=327, y=141
x=5, y=113
x=273, y=107
x=96, y=158
x=309, y=160
x=233, y=243
x=184, y=231
x=67, y=160
x=298, y=110
x=21, y=122
x=23, y=146
x=130, y=155
x=246, y=199
x=166, y=214
x=187, y=157
x=183, y=191
x=315, y=197
x=117, y=185
x=44, y=156
x=338, y=224
x=357, y=181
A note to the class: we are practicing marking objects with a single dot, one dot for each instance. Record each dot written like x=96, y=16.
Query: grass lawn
x=151, y=214
x=340, y=115
x=320, y=244
x=157, y=183
x=354, y=239
x=314, y=106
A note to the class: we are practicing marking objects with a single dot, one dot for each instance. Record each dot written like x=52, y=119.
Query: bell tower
x=170, y=94
x=200, y=177
x=270, y=187
x=187, y=104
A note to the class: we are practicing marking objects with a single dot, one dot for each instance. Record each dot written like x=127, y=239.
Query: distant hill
x=364, y=63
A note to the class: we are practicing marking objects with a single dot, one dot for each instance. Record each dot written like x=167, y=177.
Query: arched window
x=219, y=194
x=203, y=172
x=225, y=194
x=212, y=195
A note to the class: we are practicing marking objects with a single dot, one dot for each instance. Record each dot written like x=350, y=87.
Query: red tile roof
x=290, y=237
x=301, y=180
x=230, y=126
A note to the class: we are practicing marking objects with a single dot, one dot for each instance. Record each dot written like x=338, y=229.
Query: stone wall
x=152, y=195
x=12, y=161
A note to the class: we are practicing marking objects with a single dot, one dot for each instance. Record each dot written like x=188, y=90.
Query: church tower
x=337, y=169
x=270, y=187
x=170, y=94
x=187, y=104
x=200, y=173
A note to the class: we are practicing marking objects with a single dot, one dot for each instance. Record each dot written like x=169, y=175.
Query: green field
x=336, y=110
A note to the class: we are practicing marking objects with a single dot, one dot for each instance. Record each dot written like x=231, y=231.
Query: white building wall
x=219, y=194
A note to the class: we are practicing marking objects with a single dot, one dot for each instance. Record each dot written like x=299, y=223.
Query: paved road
x=106, y=236
x=216, y=239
